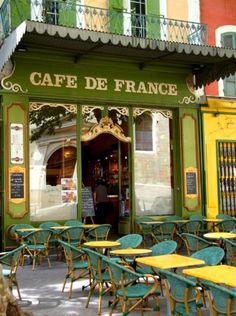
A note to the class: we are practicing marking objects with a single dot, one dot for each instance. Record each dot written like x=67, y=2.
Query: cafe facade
x=78, y=105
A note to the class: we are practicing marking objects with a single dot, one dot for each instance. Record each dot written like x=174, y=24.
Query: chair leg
x=90, y=294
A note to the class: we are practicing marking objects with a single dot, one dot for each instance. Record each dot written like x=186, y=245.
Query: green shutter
x=116, y=16
x=67, y=13
x=153, y=21
x=229, y=40
x=20, y=11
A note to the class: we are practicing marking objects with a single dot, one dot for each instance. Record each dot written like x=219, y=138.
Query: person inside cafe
x=101, y=201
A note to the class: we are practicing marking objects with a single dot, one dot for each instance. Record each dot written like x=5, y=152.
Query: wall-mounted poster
x=17, y=138
x=68, y=190
x=17, y=184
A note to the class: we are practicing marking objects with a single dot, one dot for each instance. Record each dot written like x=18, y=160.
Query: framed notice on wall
x=191, y=182
x=17, y=184
x=17, y=138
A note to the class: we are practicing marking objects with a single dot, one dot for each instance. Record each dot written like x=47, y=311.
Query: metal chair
x=73, y=222
x=73, y=235
x=222, y=300
x=75, y=263
x=163, y=231
x=98, y=233
x=230, y=248
x=182, y=294
x=100, y=276
x=194, y=243
x=12, y=259
x=38, y=245
x=127, y=288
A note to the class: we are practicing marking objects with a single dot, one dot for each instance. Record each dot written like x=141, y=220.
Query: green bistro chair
x=38, y=245
x=73, y=235
x=53, y=241
x=75, y=264
x=230, y=248
x=224, y=216
x=98, y=233
x=164, y=231
x=73, y=222
x=100, y=276
x=182, y=294
x=203, y=228
x=226, y=225
x=12, y=259
x=128, y=288
x=192, y=227
x=144, y=229
x=173, y=218
x=130, y=241
x=194, y=243
x=19, y=236
x=211, y=255
x=222, y=300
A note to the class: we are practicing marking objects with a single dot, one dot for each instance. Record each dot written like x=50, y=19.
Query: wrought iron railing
x=71, y=14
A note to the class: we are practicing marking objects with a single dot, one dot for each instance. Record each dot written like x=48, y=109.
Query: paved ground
x=41, y=294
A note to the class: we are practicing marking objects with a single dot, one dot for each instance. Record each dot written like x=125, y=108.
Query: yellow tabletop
x=218, y=235
x=60, y=227
x=88, y=226
x=152, y=222
x=24, y=230
x=213, y=220
x=218, y=274
x=169, y=261
x=180, y=221
x=131, y=252
x=101, y=244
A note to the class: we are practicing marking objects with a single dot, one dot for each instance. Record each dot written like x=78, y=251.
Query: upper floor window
x=229, y=40
x=138, y=12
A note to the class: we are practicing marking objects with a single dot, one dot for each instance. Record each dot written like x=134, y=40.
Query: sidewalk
x=41, y=294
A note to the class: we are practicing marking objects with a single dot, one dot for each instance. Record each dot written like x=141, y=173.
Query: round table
x=102, y=244
x=219, y=235
x=213, y=221
x=131, y=253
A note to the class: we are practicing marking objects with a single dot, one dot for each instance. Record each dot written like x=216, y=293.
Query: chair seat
x=180, y=309
x=144, y=270
x=6, y=272
x=105, y=277
x=36, y=247
x=135, y=291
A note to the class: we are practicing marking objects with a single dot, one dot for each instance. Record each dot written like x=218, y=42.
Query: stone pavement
x=41, y=293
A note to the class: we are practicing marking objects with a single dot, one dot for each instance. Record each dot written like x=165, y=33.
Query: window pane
x=153, y=183
x=53, y=175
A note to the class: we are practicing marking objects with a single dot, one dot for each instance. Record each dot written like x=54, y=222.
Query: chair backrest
x=192, y=226
x=99, y=233
x=222, y=300
x=226, y=225
x=164, y=247
x=48, y=225
x=73, y=222
x=197, y=217
x=12, y=258
x=172, y=218
x=211, y=255
x=96, y=262
x=194, y=243
x=15, y=234
x=73, y=234
x=230, y=250
x=130, y=241
x=181, y=289
x=143, y=219
x=71, y=253
x=223, y=216
x=39, y=236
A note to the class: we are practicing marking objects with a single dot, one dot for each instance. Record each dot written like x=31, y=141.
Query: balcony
x=73, y=15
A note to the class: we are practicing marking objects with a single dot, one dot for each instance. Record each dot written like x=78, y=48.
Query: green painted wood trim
x=67, y=13
x=79, y=161
x=116, y=16
x=20, y=11
x=131, y=170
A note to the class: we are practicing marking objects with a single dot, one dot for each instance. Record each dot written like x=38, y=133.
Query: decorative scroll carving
x=87, y=109
x=140, y=111
x=121, y=110
x=188, y=100
x=106, y=125
x=8, y=85
x=35, y=106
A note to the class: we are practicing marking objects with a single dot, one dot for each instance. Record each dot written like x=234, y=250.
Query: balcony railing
x=71, y=14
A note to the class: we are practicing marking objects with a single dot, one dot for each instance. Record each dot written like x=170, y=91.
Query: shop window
x=227, y=177
x=153, y=162
x=229, y=40
x=144, y=133
x=53, y=167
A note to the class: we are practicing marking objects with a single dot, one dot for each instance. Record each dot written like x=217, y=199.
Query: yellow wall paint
x=177, y=12
x=218, y=127
x=96, y=3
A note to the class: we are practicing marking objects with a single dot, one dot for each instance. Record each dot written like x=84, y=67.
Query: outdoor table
x=101, y=245
x=171, y=261
x=27, y=230
x=59, y=227
x=213, y=221
x=217, y=274
x=219, y=235
x=132, y=253
x=152, y=223
x=89, y=226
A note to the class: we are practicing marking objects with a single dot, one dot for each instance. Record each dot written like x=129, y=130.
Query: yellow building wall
x=177, y=12
x=96, y=3
x=219, y=124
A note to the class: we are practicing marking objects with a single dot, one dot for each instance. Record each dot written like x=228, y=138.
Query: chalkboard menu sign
x=17, y=185
x=191, y=182
x=87, y=202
